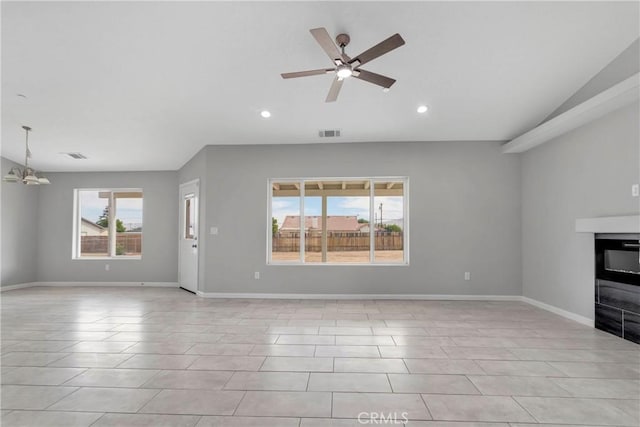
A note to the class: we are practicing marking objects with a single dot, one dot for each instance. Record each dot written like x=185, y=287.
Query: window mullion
x=372, y=225
x=269, y=221
x=77, y=224
x=405, y=220
x=302, y=223
x=112, y=224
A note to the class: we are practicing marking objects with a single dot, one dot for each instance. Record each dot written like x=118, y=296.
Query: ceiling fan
x=349, y=67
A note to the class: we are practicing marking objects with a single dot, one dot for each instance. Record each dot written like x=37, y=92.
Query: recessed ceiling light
x=422, y=109
x=265, y=114
x=385, y=90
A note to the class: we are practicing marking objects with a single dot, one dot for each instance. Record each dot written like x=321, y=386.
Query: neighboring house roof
x=334, y=223
x=92, y=224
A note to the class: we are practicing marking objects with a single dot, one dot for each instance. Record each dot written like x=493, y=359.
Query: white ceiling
x=145, y=85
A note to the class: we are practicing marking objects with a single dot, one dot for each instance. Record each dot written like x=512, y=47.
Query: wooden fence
x=126, y=244
x=290, y=242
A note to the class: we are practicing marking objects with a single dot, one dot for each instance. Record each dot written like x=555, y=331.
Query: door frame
x=180, y=230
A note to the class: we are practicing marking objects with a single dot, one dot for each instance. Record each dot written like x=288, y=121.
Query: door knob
x=194, y=246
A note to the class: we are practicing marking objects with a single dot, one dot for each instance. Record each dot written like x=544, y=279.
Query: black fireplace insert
x=618, y=260
x=617, y=291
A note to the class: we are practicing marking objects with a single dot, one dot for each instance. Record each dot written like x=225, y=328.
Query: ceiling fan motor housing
x=343, y=40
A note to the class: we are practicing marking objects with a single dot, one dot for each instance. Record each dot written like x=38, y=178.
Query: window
x=338, y=221
x=107, y=224
x=189, y=216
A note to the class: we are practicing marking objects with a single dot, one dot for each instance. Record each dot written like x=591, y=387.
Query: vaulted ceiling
x=144, y=85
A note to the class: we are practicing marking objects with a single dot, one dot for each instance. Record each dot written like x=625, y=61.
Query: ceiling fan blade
x=326, y=43
x=376, y=79
x=334, y=90
x=380, y=49
x=307, y=73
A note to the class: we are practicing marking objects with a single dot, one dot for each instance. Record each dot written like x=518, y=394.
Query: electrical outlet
x=256, y=275
x=635, y=190
x=467, y=275
x=106, y=267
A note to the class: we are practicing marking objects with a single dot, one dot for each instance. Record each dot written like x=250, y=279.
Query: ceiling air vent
x=329, y=133
x=76, y=156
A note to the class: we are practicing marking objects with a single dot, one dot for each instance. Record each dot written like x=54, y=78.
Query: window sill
x=335, y=264
x=107, y=258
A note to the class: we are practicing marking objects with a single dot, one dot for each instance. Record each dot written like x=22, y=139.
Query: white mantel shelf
x=609, y=224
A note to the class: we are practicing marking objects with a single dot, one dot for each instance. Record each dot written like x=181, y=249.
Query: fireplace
x=617, y=290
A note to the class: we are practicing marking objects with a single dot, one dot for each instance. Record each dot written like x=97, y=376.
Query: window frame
x=77, y=226
x=372, y=262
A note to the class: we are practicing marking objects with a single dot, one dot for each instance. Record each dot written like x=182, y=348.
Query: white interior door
x=189, y=195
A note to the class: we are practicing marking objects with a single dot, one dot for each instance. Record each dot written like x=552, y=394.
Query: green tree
x=393, y=228
x=362, y=221
x=103, y=221
x=274, y=226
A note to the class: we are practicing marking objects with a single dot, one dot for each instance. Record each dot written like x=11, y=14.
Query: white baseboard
x=17, y=286
x=92, y=284
x=361, y=296
x=110, y=284
x=560, y=312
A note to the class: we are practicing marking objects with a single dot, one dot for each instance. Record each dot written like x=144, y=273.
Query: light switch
x=635, y=190
x=213, y=231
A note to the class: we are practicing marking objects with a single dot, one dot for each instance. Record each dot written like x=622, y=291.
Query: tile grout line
x=63, y=397
x=426, y=406
x=332, y=393
x=233, y=373
x=262, y=364
x=158, y=391
x=152, y=377
x=239, y=403
x=98, y=419
x=524, y=409
x=474, y=384
x=75, y=376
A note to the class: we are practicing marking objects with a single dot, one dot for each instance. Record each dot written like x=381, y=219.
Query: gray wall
x=160, y=216
x=19, y=212
x=464, y=211
x=622, y=67
x=585, y=173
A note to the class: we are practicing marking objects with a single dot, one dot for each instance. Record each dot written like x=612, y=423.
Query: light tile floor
x=163, y=357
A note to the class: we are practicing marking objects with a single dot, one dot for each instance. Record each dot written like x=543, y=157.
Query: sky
x=129, y=211
x=392, y=207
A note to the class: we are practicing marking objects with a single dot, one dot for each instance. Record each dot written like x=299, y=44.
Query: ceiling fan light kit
x=343, y=71
x=27, y=175
x=346, y=66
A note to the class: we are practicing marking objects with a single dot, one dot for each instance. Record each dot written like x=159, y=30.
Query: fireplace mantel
x=609, y=224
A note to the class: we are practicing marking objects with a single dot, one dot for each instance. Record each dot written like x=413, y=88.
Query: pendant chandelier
x=27, y=175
